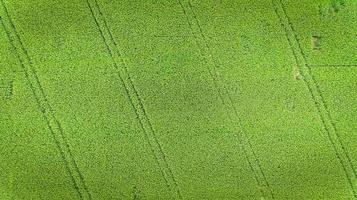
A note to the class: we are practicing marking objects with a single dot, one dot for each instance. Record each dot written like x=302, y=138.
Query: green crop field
x=183, y=99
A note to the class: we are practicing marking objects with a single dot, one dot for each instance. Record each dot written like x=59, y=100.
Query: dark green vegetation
x=104, y=99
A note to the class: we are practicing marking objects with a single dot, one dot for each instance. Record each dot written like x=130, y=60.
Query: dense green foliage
x=186, y=99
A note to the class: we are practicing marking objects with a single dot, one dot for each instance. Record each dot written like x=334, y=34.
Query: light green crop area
x=184, y=99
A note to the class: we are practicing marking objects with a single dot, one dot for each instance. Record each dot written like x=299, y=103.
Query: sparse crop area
x=184, y=99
